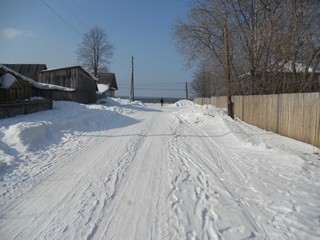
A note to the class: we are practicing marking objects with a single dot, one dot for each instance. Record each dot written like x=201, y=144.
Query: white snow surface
x=103, y=87
x=123, y=170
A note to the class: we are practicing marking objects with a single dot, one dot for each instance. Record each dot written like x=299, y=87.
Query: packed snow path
x=121, y=171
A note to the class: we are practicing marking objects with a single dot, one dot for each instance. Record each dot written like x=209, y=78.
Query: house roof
x=300, y=68
x=28, y=70
x=108, y=79
x=81, y=68
x=287, y=68
x=9, y=76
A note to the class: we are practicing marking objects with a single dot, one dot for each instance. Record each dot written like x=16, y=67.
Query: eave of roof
x=35, y=83
x=57, y=69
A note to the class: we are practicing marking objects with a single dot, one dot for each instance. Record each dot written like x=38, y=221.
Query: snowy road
x=121, y=171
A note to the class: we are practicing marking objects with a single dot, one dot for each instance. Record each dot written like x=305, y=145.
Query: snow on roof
x=57, y=69
x=287, y=68
x=300, y=68
x=103, y=87
x=91, y=75
x=7, y=80
x=33, y=82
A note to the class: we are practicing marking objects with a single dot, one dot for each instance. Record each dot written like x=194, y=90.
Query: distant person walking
x=161, y=101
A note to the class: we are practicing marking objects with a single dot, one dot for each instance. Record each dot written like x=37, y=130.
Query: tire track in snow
x=193, y=215
x=17, y=184
x=81, y=178
x=136, y=209
x=116, y=178
x=218, y=166
x=232, y=182
x=65, y=186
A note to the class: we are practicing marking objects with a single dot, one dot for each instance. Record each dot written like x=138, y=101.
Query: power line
x=120, y=63
x=84, y=13
x=159, y=82
x=65, y=21
x=155, y=89
x=76, y=17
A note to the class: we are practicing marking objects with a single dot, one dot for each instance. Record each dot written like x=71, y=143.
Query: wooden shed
x=13, y=88
x=17, y=87
x=75, y=77
x=110, y=81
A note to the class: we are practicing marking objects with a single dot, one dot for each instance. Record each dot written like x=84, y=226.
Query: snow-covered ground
x=132, y=171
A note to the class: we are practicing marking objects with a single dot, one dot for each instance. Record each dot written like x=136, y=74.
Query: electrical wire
x=65, y=21
x=85, y=13
x=154, y=89
x=75, y=16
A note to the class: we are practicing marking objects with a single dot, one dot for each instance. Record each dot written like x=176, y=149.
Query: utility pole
x=132, y=83
x=228, y=70
x=187, y=97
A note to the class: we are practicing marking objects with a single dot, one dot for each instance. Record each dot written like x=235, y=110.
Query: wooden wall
x=19, y=91
x=76, y=78
x=19, y=108
x=295, y=115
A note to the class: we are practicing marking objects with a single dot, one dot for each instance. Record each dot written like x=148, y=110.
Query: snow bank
x=183, y=103
x=31, y=136
x=124, y=103
x=27, y=134
x=216, y=122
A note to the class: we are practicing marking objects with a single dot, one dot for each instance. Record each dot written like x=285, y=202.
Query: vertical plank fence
x=295, y=115
x=8, y=110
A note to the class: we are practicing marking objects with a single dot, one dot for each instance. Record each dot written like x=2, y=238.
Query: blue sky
x=32, y=33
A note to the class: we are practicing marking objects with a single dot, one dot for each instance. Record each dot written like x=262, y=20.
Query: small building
x=17, y=87
x=107, y=84
x=75, y=77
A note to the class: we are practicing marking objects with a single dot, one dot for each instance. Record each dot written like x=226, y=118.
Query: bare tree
x=207, y=80
x=95, y=50
x=265, y=36
x=304, y=41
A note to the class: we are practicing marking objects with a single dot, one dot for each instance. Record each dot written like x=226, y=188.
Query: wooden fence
x=294, y=115
x=18, y=108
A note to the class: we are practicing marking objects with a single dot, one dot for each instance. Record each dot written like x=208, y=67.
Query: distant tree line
x=274, y=45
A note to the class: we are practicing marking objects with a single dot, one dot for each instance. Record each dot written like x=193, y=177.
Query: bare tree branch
x=95, y=51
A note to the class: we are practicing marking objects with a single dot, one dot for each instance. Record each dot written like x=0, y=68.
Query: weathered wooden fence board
x=294, y=115
x=19, y=108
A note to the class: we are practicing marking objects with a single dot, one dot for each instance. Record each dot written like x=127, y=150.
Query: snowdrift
x=183, y=103
x=36, y=132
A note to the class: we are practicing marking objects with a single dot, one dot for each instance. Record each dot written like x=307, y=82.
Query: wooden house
x=13, y=88
x=16, y=87
x=107, y=84
x=75, y=77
